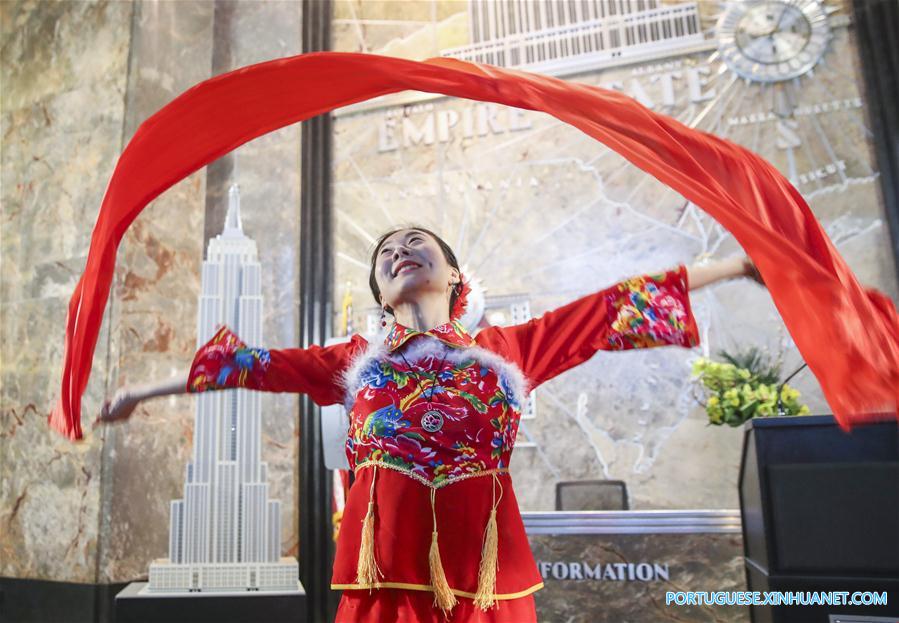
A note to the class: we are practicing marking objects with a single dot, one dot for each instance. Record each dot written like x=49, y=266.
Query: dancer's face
x=431, y=274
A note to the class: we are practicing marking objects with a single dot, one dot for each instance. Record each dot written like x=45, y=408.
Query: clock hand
x=770, y=33
x=768, y=6
x=780, y=19
x=776, y=27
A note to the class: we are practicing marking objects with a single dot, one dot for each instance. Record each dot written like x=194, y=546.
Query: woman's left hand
x=750, y=270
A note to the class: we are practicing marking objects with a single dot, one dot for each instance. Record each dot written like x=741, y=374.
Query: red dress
x=431, y=524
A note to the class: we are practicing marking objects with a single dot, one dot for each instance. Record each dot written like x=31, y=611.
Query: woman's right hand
x=119, y=408
x=751, y=270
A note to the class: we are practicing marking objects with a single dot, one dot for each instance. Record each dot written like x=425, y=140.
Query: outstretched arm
x=123, y=403
x=699, y=275
x=226, y=362
x=644, y=311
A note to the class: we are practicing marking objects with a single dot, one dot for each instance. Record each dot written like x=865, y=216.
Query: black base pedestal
x=132, y=606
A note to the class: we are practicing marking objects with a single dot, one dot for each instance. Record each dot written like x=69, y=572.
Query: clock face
x=773, y=41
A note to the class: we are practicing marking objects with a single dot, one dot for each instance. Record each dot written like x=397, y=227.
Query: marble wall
x=78, y=80
x=65, y=76
x=588, y=576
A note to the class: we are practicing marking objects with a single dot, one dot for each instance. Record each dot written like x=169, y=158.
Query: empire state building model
x=225, y=534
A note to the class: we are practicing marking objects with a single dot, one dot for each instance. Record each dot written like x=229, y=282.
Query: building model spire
x=225, y=534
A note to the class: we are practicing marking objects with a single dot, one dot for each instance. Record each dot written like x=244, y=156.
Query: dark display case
x=820, y=512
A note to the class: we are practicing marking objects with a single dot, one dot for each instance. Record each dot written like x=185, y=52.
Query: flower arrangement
x=744, y=386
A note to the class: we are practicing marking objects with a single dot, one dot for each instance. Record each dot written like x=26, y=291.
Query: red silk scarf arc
x=848, y=335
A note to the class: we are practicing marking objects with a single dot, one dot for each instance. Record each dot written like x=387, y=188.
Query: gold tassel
x=484, y=598
x=367, y=569
x=443, y=595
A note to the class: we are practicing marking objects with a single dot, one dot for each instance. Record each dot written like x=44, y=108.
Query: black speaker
x=820, y=512
x=835, y=518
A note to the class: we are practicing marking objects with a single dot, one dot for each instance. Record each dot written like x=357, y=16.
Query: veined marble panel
x=62, y=137
x=155, y=305
x=64, y=76
x=160, y=286
x=625, y=577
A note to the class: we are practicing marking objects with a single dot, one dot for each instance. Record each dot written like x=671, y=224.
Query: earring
x=383, y=318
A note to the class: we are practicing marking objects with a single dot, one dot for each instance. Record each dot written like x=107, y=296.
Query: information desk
x=618, y=565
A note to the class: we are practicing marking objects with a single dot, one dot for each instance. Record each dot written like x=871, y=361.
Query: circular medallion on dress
x=432, y=421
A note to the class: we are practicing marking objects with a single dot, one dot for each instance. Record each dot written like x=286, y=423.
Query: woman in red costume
x=431, y=529
x=847, y=334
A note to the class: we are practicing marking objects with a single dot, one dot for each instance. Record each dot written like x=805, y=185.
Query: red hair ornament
x=461, y=300
x=848, y=334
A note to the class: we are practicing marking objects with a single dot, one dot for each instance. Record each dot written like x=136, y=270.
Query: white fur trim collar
x=422, y=347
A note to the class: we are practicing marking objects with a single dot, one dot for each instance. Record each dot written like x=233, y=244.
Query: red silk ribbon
x=848, y=334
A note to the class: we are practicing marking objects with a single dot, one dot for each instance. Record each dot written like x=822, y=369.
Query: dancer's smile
x=405, y=264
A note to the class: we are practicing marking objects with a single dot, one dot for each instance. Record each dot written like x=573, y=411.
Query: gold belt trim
x=428, y=587
x=425, y=481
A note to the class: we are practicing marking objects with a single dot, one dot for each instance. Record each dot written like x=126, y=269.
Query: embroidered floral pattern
x=225, y=361
x=480, y=402
x=478, y=419
x=505, y=425
x=452, y=332
x=435, y=404
x=650, y=310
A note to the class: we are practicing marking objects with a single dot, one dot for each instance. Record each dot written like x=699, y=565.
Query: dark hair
x=447, y=253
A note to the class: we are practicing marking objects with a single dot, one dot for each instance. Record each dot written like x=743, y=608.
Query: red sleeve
x=641, y=312
x=226, y=362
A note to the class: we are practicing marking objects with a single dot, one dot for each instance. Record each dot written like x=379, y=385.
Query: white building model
x=225, y=535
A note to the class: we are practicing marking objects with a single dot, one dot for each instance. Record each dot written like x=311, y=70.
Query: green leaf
x=476, y=402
